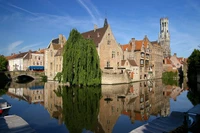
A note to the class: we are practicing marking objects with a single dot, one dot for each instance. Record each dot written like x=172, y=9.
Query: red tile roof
x=126, y=47
x=11, y=57
x=138, y=44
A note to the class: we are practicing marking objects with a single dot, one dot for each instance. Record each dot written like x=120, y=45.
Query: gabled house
x=52, y=67
x=168, y=66
x=132, y=68
x=34, y=60
x=16, y=62
x=108, y=49
x=147, y=55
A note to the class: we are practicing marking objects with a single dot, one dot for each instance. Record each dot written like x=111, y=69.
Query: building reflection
x=52, y=101
x=138, y=101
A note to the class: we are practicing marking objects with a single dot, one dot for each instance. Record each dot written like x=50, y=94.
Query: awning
x=36, y=67
x=38, y=87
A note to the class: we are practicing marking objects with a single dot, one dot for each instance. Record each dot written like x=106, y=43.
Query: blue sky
x=32, y=24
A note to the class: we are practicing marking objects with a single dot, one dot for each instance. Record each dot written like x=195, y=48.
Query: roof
x=168, y=61
x=123, y=62
x=180, y=59
x=21, y=55
x=39, y=51
x=56, y=46
x=11, y=57
x=56, y=41
x=131, y=62
x=126, y=47
x=138, y=44
x=59, y=52
x=95, y=35
x=155, y=43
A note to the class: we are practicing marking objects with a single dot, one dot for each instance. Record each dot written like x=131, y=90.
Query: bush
x=44, y=78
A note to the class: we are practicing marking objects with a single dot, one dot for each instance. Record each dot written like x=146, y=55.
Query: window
x=37, y=63
x=39, y=58
x=108, y=63
x=108, y=42
x=113, y=54
x=117, y=64
x=34, y=63
x=141, y=62
x=142, y=55
x=51, y=66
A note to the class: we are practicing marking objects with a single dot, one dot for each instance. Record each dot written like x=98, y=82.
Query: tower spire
x=105, y=22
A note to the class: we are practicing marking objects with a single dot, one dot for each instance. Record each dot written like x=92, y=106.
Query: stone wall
x=115, y=78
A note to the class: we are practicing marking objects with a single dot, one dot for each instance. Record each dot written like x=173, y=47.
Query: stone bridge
x=33, y=74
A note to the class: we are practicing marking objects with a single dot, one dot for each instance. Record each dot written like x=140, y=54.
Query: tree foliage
x=170, y=78
x=3, y=63
x=81, y=64
x=193, y=61
x=80, y=108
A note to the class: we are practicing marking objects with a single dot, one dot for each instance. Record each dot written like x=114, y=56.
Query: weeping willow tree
x=80, y=108
x=81, y=64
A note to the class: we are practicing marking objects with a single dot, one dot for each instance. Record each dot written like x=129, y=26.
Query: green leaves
x=3, y=63
x=81, y=65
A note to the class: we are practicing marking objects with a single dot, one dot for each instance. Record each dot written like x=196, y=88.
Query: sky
x=32, y=24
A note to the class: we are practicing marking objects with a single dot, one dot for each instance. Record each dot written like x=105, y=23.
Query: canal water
x=50, y=108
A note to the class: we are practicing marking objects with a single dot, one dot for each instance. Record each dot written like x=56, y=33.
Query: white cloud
x=22, y=9
x=92, y=11
x=30, y=47
x=13, y=46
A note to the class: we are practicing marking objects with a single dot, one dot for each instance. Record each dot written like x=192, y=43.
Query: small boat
x=4, y=107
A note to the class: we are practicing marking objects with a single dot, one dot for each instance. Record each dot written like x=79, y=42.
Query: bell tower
x=164, y=37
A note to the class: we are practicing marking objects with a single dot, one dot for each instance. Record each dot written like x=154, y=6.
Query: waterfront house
x=168, y=66
x=108, y=49
x=132, y=68
x=34, y=60
x=16, y=61
x=53, y=65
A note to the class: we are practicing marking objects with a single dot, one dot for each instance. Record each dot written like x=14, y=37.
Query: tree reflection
x=80, y=108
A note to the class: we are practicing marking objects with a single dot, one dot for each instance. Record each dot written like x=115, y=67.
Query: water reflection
x=99, y=109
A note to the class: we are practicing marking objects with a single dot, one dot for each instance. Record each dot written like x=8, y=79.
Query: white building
x=16, y=62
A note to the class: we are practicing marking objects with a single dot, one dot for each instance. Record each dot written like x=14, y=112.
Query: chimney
x=174, y=54
x=60, y=38
x=95, y=27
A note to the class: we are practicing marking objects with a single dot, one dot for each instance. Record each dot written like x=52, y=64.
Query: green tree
x=80, y=108
x=170, y=78
x=81, y=64
x=193, y=61
x=3, y=63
